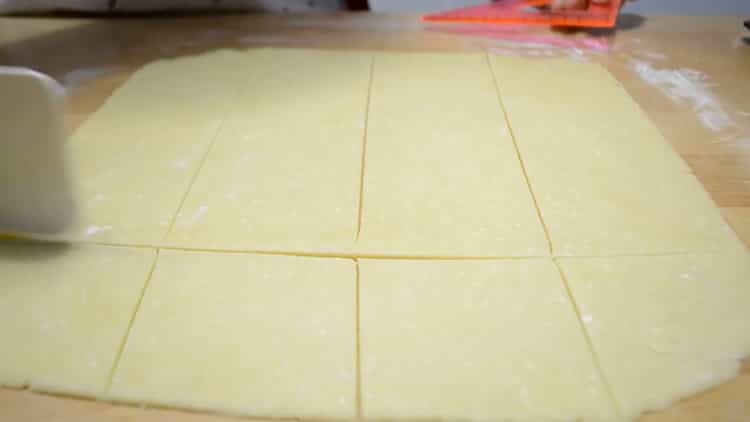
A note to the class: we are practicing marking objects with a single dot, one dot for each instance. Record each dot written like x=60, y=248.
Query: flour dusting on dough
x=92, y=230
x=687, y=86
x=202, y=210
x=180, y=163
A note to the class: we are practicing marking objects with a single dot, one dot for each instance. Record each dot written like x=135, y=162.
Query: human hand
x=573, y=4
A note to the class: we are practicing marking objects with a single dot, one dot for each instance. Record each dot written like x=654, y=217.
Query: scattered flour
x=687, y=86
x=653, y=55
x=202, y=210
x=92, y=230
x=180, y=163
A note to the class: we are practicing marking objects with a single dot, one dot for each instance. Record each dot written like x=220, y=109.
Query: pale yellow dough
x=664, y=327
x=263, y=150
x=474, y=340
x=64, y=313
x=284, y=172
x=136, y=156
x=606, y=181
x=244, y=334
x=441, y=174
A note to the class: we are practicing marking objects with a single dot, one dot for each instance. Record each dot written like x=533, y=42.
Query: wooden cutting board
x=93, y=56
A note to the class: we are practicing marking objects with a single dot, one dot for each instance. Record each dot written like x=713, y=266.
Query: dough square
x=137, y=154
x=64, y=313
x=664, y=327
x=442, y=177
x=474, y=340
x=244, y=334
x=284, y=172
x=605, y=179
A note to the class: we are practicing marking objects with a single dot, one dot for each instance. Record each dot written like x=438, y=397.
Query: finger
x=567, y=4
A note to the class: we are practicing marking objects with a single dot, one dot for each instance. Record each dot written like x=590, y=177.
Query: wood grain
x=92, y=57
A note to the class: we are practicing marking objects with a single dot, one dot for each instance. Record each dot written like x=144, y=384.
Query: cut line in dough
x=284, y=172
x=663, y=327
x=227, y=331
x=605, y=180
x=136, y=156
x=474, y=340
x=64, y=313
x=245, y=335
x=442, y=176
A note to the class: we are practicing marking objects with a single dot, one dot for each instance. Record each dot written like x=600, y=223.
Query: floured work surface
x=576, y=271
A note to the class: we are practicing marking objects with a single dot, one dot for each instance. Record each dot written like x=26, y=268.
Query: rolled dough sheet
x=474, y=340
x=137, y=154
x=605, y=179
x=441, y=175
x=284, y=173
x=244, y=334
x=664, y=328
x=64, y=312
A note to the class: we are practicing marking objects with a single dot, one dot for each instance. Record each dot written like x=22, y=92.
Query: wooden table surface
x=690, y=74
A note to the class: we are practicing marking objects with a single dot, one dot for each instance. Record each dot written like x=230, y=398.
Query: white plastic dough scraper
x=36, y=191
